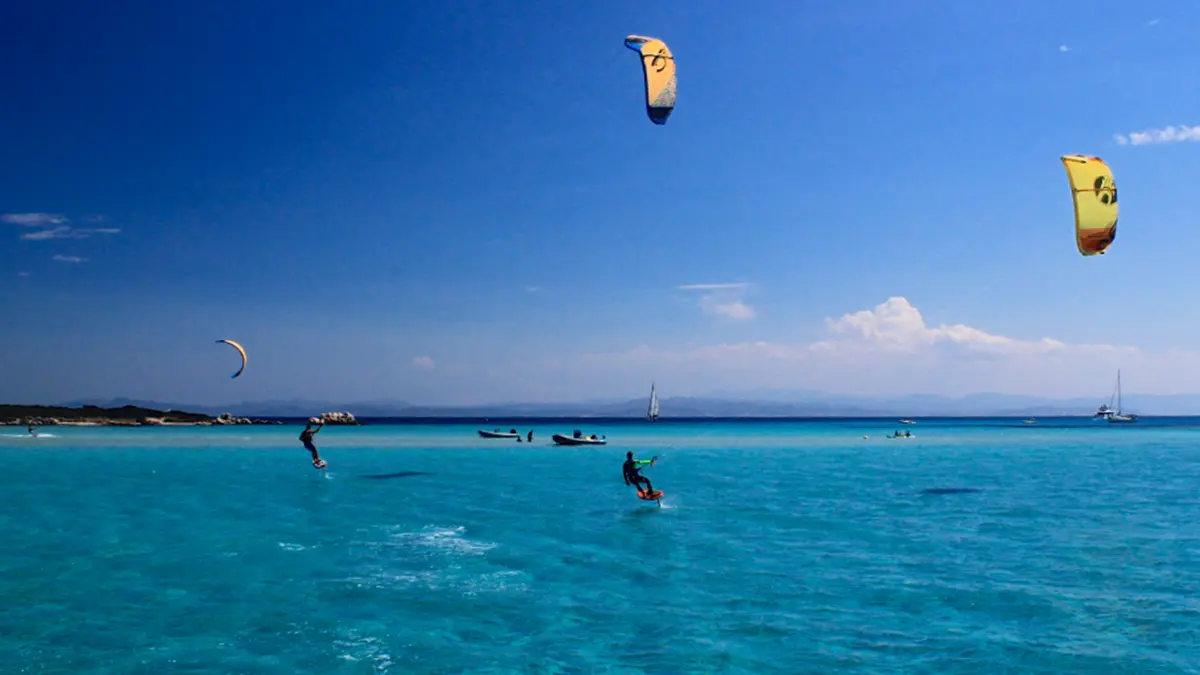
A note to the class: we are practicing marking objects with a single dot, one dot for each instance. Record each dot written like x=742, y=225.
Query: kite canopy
x=1095, y=195
x=240, y=351
x=658, y=70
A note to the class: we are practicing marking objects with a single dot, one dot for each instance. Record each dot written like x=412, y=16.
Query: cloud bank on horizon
x=890, y=349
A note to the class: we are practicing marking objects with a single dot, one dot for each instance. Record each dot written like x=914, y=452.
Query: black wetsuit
x=632, y=477
x=306, y=437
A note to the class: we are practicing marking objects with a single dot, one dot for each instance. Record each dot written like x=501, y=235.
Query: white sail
x=652, y=411
x=1119, y=416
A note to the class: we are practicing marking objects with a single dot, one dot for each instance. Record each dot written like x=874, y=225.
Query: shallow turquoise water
x=780, y=548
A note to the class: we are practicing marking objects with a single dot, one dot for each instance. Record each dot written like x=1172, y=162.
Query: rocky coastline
x=132, y=416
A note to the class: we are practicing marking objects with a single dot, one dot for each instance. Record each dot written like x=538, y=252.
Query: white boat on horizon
x=907, y=422
x=1115, y=416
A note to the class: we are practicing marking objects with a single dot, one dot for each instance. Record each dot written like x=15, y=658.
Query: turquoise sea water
x=780, y=547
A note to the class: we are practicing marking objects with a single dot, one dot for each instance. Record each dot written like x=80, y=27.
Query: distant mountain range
x=774, y=403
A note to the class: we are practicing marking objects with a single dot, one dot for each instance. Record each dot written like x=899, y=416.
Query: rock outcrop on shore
x=227, y=418
x=333, y=418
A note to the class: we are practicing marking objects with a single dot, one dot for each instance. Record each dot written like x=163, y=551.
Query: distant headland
x=751, y=404
x=135, y=416
x=761, y=404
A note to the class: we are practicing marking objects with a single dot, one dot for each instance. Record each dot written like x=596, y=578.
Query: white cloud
x=56, y=233
x=68, y=258
x=723, y=299
x=733, y=309
x=423, y=362
x=1064, y=48
x=1153, y=22
x=54, y=226
x=68, y=232
x=33, y=219
x=891, y=349
x=532, y=289
x=895, y=325
x=1171, y=134
x=22, y=274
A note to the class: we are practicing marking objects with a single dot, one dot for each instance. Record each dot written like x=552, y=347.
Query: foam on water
x=29, y=436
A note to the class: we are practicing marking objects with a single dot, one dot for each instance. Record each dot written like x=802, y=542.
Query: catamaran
x=652, y=411
x=1115, y=416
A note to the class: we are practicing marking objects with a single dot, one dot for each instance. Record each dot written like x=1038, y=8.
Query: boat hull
x=497, y=434
x=559, y=439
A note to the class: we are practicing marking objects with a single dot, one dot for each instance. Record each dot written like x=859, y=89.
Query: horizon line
x=813, y=398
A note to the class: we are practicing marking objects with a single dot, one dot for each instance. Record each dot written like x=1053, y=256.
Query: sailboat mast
x=1118, y=391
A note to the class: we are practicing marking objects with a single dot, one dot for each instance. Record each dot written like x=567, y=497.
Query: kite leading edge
x=240, y=351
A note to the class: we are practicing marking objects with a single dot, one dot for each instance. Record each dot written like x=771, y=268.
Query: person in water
x=306, y=437
x=32, y=430
x=632, y=475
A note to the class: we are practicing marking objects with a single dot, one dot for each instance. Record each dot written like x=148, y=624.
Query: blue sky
x=466, y=202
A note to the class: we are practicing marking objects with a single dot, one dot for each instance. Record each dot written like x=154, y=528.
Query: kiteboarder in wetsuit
x=630, y=470
x=306, y=437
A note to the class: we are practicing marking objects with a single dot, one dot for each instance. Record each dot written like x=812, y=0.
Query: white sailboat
x=1116, y=416
x=652, y=411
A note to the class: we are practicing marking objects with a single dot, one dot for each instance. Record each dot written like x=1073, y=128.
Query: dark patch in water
x=398, y=474
x=949, y=491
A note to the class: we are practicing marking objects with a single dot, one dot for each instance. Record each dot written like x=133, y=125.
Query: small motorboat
x=512, y=433
x=907, y=422
x=577, y=438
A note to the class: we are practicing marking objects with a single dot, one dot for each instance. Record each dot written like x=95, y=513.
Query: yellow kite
x=1095, y=194
x=658, y=71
